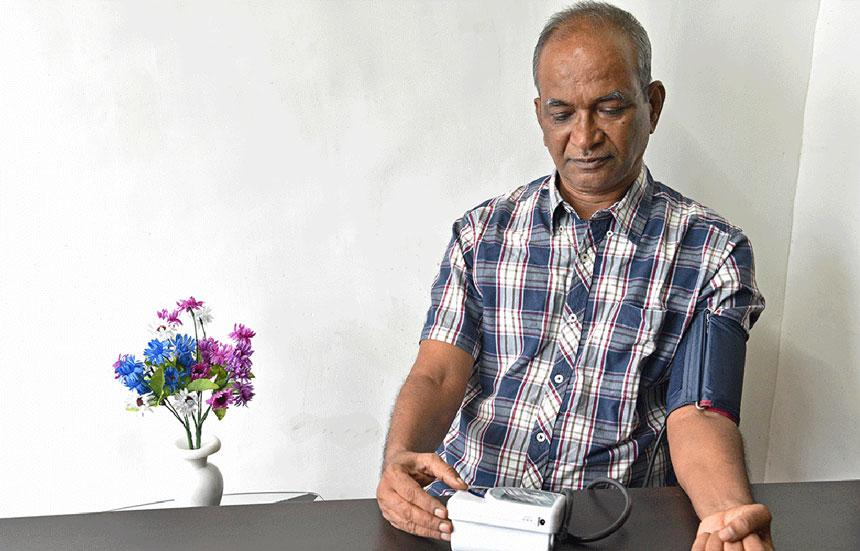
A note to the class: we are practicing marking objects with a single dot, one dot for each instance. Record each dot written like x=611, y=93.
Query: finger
x=411, y=492
x=733, y=546
x=415, y=511
x=405, y=516
x=714, y=543
x=397, y=494
x=753, y=543
x=418, y=531
x=751, y=519
x=701, y=540
x=444, y=472
x=418, y=521
x=398, y=487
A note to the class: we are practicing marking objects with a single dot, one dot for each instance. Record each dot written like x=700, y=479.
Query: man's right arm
x=423, y=412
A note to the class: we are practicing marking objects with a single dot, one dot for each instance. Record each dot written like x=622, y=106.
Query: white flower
x=162, y=330
x=139, y=404
x=184, y=403
x=203, y=315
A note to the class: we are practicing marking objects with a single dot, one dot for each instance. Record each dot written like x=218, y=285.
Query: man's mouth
x=590, y=163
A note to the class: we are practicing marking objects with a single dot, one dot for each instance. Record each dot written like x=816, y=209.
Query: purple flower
x=221, y=399
x=170, y=317
x=241, y=333
x=239, y=363
x=117, y=364
x=205, y=347
x=200, y=371
x=190, y=303
x=244, y=392
x=220, y=353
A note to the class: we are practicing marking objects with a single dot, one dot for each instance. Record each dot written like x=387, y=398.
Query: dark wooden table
x=811, y=515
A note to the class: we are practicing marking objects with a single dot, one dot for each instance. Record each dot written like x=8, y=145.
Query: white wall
x=814, y=434
x=736, y=76
x=298, y=165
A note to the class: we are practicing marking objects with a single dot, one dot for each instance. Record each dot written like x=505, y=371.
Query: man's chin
x=589, y=181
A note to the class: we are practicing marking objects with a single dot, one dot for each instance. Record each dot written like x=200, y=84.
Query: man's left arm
x=706, y=447
x=708, y=458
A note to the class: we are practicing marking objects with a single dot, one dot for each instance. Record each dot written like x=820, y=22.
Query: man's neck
x=586, y=204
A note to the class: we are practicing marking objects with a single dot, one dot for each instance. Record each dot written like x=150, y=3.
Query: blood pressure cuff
x=708, y=368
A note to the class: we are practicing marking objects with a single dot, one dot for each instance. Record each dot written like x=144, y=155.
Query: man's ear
x=538, y=115
x=656, y=96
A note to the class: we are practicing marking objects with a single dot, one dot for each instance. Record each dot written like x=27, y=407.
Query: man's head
x=596, y=104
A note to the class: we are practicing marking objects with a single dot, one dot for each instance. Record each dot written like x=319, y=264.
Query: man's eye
x=560, y=117
x=612, y=111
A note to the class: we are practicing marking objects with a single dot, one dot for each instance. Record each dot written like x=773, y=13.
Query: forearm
x=429, y=399
x=422, y=414
x=708, y=458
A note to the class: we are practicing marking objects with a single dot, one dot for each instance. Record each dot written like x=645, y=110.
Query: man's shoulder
x=501, y=207
x=674, y=208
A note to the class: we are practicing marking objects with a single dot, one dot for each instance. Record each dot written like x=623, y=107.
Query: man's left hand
x=742, y=528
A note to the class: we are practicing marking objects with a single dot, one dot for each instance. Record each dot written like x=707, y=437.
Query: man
x=565, y=312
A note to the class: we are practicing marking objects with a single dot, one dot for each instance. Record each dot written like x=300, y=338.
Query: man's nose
x=585, y=134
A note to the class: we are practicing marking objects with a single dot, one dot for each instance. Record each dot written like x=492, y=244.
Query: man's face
x=595, y=118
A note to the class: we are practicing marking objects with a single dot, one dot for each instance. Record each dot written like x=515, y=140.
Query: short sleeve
x=455, y=315
x=708, y=366
x=732, y=291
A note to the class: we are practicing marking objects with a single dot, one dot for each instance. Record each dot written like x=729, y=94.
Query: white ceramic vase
x=199, y=482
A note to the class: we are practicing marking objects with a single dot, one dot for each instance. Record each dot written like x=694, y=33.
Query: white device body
x=515, y=519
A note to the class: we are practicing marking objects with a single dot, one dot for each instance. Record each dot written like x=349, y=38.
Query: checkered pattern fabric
x=573, y=324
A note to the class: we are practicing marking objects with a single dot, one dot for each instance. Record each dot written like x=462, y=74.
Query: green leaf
x=201, y=384
x=220, y=413
x=156, y=382
x=220, y=376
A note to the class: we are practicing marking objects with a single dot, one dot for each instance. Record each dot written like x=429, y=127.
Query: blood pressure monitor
x=517, y=519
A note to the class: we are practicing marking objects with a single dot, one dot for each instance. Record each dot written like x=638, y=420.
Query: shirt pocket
x=623, y=338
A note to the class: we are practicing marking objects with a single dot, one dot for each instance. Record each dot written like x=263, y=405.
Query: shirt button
x=541, y=437
x=558, y=379
x=609, y=233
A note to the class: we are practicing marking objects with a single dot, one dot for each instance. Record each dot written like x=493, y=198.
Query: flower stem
x=184, y=424
x=199, y=416
x=206, y=414
x=198, y=422
x=196, y=339
x=173, y=411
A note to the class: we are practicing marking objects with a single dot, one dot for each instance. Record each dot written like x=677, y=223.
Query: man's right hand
x=402, y=498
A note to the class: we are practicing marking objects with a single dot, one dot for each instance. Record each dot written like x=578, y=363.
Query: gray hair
x=604, y=15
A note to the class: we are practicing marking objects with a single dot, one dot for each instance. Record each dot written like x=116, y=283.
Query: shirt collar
x=630, y=212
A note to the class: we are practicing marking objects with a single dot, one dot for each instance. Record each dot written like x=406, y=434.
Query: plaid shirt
x=573, y=325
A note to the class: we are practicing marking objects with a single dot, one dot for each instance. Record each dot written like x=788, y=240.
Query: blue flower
x=156, y=352
x=171, y=380
x=136, y=382
x=130, y=372
x=126, y=365
x=185, y=348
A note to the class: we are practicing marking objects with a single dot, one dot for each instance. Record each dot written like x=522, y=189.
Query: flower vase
x=199, y=483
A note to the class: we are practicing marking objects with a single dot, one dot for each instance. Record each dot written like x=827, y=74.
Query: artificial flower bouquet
x=178, y=369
